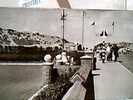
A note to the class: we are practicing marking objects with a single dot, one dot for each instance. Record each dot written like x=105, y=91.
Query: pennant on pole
x=101, y=34
x=93, y=23
x=106, y=34
x=113, y=23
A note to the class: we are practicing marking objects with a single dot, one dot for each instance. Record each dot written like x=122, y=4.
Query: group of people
x=111, y=52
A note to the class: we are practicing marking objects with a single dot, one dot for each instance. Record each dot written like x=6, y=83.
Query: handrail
x=83, y=72
x=76, y=92
x=38, y=92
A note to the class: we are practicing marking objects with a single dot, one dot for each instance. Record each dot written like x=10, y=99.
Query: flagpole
x=94, y=31
x=63, y=27
x=125, y=4
x=113, y=26
x=83, y=29
x=63, y=21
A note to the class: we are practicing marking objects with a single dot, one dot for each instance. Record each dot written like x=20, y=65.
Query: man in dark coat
x=115, y=50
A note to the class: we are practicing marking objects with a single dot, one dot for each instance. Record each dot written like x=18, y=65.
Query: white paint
x=27, y=64
x=76, y=92
x=37, y=93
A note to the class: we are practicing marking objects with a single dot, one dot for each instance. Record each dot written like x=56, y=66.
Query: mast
x=63, y=21
x=83, y=28
x=125, y=4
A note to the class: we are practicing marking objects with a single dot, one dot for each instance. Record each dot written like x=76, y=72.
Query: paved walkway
x=112, y=81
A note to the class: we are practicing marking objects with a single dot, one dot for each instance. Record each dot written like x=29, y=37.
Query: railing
x=78, y=91
x=46, y=79
x=83, y=72
x=33, y=97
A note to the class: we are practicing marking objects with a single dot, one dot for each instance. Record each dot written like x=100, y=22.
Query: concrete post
x=86, y=61
x=47, y=70
x=58, y=60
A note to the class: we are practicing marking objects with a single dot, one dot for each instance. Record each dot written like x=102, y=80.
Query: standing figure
x=64, y=58
x=103, y=54
x=109, y=52
x=115, y=51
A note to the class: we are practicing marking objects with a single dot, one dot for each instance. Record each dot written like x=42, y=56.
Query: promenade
x=112, y=81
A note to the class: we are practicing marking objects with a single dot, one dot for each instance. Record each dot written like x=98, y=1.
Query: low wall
x=78, y=91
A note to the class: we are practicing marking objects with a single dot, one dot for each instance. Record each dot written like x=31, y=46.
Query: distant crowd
x=110, y=51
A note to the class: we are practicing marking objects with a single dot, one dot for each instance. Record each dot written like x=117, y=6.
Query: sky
x=48, y=22
x=35, y=21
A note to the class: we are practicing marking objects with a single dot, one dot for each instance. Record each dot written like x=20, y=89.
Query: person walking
x=115, y=51
x=109, y=52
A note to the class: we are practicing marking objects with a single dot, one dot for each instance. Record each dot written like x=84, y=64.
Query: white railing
x=38, y=92
x=77, y=91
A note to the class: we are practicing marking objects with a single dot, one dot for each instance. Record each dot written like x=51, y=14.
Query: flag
x=113, y=23
x=101, y=34
x=93, y=23
x=106, y=34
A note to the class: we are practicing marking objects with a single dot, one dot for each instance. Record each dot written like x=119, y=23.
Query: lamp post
x=83, y=28
x=125, y=4
x=63, y=21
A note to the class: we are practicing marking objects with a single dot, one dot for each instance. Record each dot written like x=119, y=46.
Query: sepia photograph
x=66, y=50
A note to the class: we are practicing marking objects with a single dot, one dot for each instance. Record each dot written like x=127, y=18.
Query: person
x=79, y=47
x=109, y=52
x=103, y=54
x=115, y=51
x=103, y=43
x=102, y=49
x=64, y=58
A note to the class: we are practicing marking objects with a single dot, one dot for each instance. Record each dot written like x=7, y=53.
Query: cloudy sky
x=48, y=22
